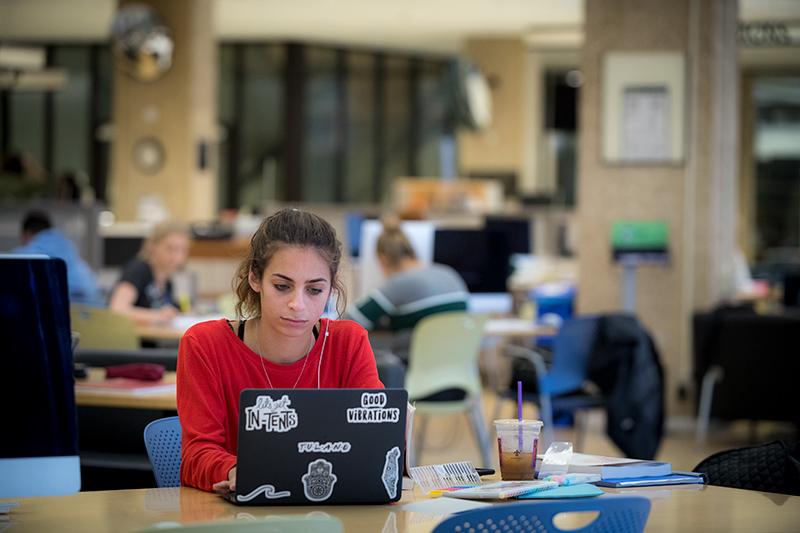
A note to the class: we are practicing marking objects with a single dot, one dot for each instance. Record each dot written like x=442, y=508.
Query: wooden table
x=516, y=328
x=161, y=401
x=682, y=508
x=500, y=331
x=159, y=333
x=173, y=331
x=495, y=327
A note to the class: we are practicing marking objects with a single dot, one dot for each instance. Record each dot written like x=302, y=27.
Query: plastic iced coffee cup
x=517, y=444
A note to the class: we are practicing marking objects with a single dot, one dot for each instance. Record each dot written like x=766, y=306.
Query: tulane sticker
x=270, y=415
x=373, y=410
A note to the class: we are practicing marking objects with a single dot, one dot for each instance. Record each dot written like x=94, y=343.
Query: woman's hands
x=165, y=314
x=229, y=485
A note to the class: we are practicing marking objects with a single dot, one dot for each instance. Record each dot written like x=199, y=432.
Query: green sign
x=640, y=240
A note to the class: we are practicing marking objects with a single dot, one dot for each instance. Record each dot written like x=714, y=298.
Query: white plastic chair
x=443, y=376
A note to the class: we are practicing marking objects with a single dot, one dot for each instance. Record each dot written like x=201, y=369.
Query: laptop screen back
x=313, y=446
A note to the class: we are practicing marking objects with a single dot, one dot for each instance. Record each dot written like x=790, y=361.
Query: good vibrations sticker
x=373, y=410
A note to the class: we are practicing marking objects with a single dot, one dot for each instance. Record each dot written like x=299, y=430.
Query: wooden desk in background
x=505, y=328
x=687, y=508
x=159, y=333
x=165, y=401
x=517, y=328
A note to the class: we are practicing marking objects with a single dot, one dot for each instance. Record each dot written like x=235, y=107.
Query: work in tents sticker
x=270, y=415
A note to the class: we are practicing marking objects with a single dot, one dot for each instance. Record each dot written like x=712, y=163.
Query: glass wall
x=777, y=165
x=360, y=129
x=58, y=129
x=321, y=128
x=346, y=122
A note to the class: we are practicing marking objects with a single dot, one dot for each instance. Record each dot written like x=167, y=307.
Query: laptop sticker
x=323, y=447
x=373, y=410
x=271, y=415
x=390, y=471
x=319, y=481
x=269, y=493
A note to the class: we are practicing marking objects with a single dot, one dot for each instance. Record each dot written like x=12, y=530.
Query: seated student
x=144, y=291
x=411, y=292
x=279, y=341
x=40, y=237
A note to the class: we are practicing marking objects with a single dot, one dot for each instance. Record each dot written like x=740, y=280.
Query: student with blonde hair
x=144, y=291
x=411, y=292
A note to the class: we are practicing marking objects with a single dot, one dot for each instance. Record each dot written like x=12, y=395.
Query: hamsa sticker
x=319, y=481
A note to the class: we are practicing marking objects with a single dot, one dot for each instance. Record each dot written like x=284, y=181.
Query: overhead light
x=554, y=37
x=22, y=68
x=38, y=80
x=21, y=57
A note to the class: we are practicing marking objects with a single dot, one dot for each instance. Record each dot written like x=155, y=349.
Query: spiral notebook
x=502, y=490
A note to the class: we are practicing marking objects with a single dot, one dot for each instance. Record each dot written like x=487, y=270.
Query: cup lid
x=514, y=422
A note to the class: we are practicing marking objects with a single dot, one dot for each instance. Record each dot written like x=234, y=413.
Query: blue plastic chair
x=162, y=438
x=561, y=387
x=616, y=515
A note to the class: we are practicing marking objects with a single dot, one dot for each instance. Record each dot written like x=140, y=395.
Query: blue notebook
x=581, y=490
x=676, y=478
x=617, y=467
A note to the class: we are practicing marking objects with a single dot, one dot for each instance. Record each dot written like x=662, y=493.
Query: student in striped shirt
x=411, y=292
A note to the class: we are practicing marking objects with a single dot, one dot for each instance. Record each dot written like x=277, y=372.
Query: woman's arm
x=371, y=310
x=202, y=411
x=122, y=301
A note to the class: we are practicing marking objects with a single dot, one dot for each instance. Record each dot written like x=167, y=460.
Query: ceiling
x=429, y=25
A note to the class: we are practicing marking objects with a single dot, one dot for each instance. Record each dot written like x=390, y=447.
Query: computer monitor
x=39, y=448
x=483, y=255
x=791, y=290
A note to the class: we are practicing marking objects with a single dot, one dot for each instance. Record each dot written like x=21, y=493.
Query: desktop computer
x=39, y=448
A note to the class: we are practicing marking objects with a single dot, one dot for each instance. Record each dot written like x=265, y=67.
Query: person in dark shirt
x=144, y=291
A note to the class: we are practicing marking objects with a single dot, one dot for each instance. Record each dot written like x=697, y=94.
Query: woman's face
x=294, y=290
x=169, y=254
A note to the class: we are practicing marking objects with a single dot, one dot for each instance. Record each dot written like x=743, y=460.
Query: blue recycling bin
x=555, y=303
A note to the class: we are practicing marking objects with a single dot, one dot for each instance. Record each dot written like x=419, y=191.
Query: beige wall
x=180, y=111
x=692, y=197
x=499, y=147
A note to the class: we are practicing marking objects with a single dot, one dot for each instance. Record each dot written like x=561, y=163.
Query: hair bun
x=391, y=223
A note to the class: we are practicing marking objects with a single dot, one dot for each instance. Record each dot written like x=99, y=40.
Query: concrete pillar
x=697, y=196
x=501, y=147
x=179, y=111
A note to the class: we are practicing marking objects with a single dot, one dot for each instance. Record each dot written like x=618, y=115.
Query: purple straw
x=519, y=414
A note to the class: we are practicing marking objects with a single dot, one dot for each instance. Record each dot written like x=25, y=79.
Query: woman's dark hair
x=36, y=221
x=287, y=227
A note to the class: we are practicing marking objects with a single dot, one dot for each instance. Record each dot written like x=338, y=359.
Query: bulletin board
x=643, y=108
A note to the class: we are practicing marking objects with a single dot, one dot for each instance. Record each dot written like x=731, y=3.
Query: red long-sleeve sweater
x=214, y=365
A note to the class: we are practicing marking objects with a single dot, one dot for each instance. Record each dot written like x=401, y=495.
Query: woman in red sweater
x=279, y=342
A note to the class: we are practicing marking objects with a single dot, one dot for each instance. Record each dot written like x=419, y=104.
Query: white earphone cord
x=321, y=353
